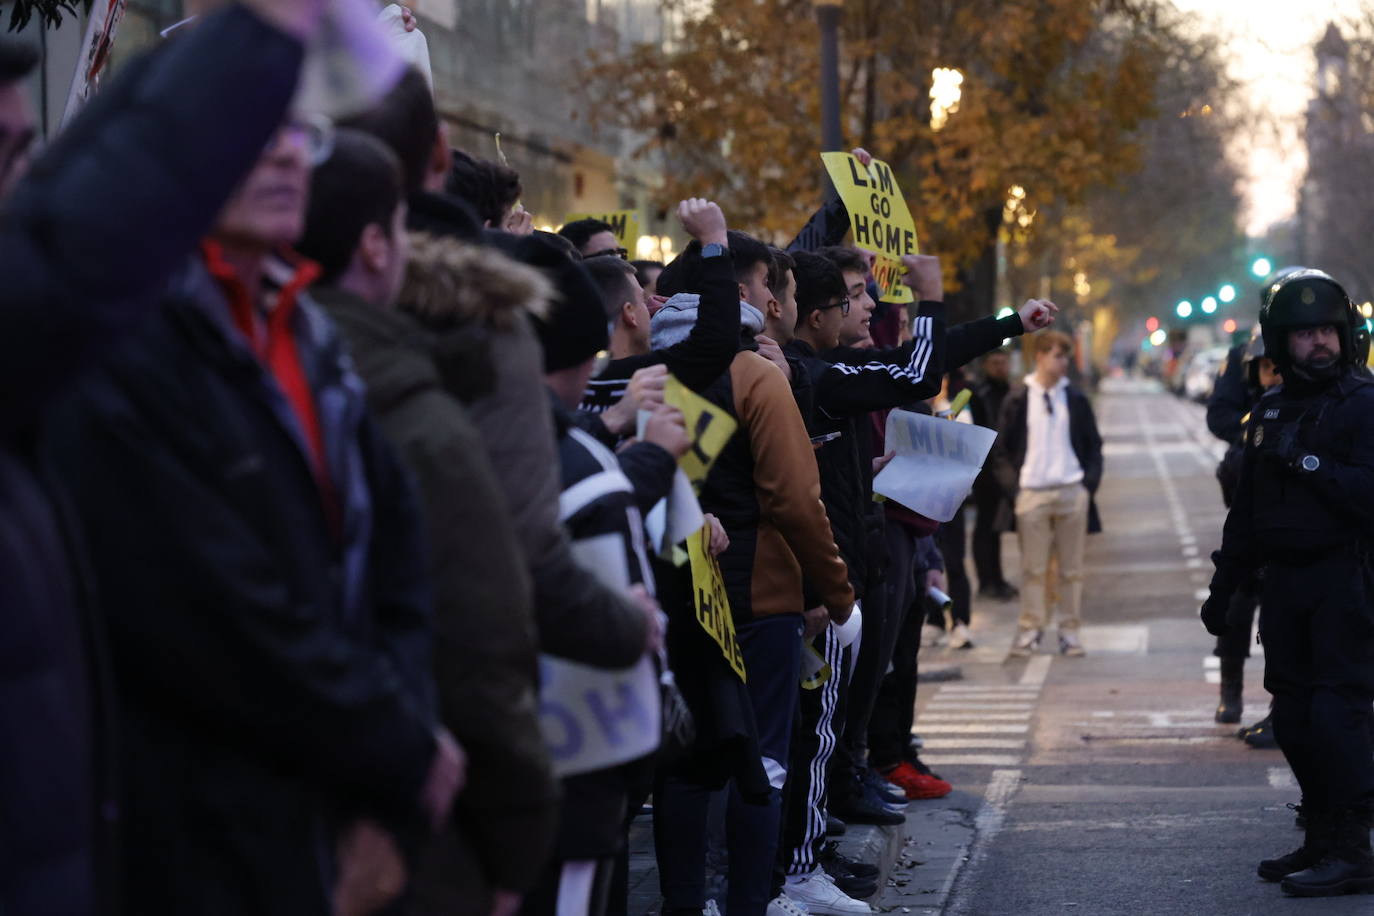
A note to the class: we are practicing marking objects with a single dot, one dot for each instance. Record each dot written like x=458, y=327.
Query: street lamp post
x=828, y=17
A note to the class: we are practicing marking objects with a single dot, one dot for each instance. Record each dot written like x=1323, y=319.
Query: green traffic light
x=1184, y=309
x=1261, y=268
x=1227, y=293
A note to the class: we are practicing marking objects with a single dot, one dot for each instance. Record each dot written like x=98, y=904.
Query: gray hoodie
x=672, y=323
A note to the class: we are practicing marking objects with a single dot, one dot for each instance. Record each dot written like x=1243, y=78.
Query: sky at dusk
x=1270, y=52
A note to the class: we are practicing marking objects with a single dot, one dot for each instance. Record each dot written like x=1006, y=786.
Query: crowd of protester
x=304, y=442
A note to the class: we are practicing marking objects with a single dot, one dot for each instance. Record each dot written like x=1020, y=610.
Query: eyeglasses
x=842, y=305
x=621, y=253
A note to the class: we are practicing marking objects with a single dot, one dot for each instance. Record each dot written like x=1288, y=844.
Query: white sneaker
x=931, y=636
x=711, y=908
x=783, y=905
x=1026, y=642
x=960, y=637
x=818, y=893
x=1070, y=645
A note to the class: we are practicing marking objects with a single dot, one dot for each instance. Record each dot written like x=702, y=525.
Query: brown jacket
x=766, y=491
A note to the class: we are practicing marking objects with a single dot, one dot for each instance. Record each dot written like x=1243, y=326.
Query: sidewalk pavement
x=919, y=860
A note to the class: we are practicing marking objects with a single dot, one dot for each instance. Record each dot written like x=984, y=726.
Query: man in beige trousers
x=1049, y=459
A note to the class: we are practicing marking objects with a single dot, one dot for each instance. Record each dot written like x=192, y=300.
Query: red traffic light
x=1152, y=324
x=1229, y=325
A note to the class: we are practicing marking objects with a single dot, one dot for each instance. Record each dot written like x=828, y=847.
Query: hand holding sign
x=668, y=430
x=924, y=277
x=704, y=221
x=1037, y=314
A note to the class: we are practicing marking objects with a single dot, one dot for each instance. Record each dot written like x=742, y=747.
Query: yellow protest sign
x=709, y=426
x=712, y=604
x=878, y=218
x=624, y=223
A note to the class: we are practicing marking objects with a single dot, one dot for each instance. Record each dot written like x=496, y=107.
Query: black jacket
x=1284, y=516
x=273, y=664
x=1009, y=452
x=842, y=395
x=697, y=361
x=1231, y=398
x=101, y=220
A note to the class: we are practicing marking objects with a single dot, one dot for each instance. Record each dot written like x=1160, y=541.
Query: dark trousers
x=772, y=657
x=951, y=538
x=1317, y=624
x=987, y=542
x=894, y=708
x=1236, y=642
x=813, y=743
x=882, y=618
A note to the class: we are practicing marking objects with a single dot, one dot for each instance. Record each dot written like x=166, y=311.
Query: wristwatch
x=713, y=250
x=1309, y=463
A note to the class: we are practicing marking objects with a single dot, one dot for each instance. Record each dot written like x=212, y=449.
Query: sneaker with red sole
x=915, y=784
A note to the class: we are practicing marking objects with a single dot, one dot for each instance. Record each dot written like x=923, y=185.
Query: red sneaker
x=915, y=784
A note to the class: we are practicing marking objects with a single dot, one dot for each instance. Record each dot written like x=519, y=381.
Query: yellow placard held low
x=710, y=428
x=712, y=604
x=624, y=223
x=878, y=218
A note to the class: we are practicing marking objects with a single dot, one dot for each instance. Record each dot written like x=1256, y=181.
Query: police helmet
x=1251, y=355
x=1275, y=280
x=1307, y=299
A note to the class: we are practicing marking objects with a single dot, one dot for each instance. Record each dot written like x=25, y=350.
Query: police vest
x=1286, y=504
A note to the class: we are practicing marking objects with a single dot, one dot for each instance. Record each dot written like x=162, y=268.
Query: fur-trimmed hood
x=474, y=301
x=450, y=283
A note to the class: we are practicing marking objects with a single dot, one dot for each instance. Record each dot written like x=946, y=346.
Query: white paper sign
x=593, y=718
x=936, y=463
x=674, y=518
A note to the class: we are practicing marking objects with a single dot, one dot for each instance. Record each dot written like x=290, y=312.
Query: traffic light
x=1209, y=305
x=1262, y=267
x=1184, y=309
x=1152, y=324
x=1227, y=293
x=1229, y=325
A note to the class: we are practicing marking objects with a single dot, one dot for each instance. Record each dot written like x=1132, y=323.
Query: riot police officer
x=1304, y=512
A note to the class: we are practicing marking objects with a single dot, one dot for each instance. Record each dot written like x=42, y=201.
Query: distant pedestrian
x=1049, y=460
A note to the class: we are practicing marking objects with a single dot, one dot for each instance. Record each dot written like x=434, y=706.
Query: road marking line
x=1282, y=778
x=1211, y=661
x=961, y=729
x=1037, y=669
x=987, y=824
x=991, y=760
x=985, y=688
x=975, y=717
x=939, y=704
x=1202, y=594
x=959, y=744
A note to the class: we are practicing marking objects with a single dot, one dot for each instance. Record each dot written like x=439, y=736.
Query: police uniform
x=1302, y=512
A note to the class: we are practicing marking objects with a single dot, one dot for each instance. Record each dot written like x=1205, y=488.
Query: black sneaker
x=837, y=862
x=882, y=789
x=865, y=810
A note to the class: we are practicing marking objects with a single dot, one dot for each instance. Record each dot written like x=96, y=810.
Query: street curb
x=933, y=675
x=919, y=860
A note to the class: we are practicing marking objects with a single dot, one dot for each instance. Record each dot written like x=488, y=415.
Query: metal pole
x=828, y=16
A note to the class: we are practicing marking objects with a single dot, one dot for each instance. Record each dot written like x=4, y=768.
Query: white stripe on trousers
x=803, y=859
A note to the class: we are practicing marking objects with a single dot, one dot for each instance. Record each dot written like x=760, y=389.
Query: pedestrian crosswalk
x=982, y=724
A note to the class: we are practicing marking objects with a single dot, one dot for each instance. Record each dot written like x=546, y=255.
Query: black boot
x=1261, y=735
x=1314, y=844
x=1232, y=684
x=1347, y=867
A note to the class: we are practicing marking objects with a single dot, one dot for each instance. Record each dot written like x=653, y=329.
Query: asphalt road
x=1101, y=785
